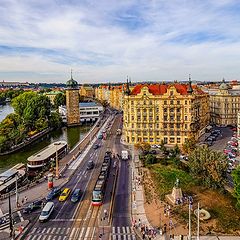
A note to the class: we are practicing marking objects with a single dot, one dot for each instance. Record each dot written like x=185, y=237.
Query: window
x=132, y=118
x=172, y=117
x=178, y=140
x=165, y=102
x=171, y=125
x=178, y=118
x=157, y=125
x=171, y=133
x=178, y=125
x=132, y=125
x=171, y=93
x=171, y=110
x=133, y=139
x=144, y=118
x=171, y=102
x=165, y=118
x=178, y=102
x=165, y=125
x=165, y=133
x=144, y=133
x=185, y=102
x=178, y=110
x=151, y=139
x=165, y=140
x=157, y=118
x=185, y=118
x=178, y=133
x=186, y=126
x=150, y=102
x=172, y=140
x=165, y=110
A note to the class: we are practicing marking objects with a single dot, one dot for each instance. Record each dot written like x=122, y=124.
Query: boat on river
x=44, y=157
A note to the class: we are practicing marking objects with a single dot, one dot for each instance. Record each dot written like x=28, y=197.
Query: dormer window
x=171, y=93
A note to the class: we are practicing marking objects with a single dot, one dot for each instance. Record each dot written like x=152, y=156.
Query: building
x=72, y=102
x=86, y=91
x=51, y=95
x=89, y=111
x=170, y=113
x=224, y=104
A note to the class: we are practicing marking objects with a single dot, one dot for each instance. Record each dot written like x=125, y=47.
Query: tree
x=189, y=145
x=236, y=180
x=55, y=120
x=209, y=166
x=150, y=159
x=59, y=100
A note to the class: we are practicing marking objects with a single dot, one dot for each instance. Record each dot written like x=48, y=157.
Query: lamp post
x=57, y=170
x=198, y=216
x=17, y=204
x=12, y=232
x=189, y=224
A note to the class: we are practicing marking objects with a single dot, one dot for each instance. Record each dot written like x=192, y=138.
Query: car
x=100, y=136
x=96, y=146
x=90, y=165
x=153, y=151
x=76, y=195
x=64, y=195
x=33, y=206
x=46, y=212
x=53, y=193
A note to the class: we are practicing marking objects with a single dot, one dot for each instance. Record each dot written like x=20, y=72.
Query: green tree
x=55, y=120
x=59, y=100
x=189, y=145
x=236, y=180
x=209, y=166
x=150, y=159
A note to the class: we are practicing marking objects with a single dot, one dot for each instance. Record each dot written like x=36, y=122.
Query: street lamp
x=57, y=170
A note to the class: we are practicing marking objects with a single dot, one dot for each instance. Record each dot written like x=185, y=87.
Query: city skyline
x=108, y=40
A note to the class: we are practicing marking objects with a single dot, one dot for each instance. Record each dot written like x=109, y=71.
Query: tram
x=99, y=188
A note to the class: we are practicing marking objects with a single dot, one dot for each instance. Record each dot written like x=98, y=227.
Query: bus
x=99, y=188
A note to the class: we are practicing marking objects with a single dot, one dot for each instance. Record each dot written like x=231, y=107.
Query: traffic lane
x=121, y=215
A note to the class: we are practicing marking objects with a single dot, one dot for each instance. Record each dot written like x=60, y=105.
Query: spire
x=189, y=90
x=223, y=80
x=109, y=86
x=127, y=88
x=71, y=75
x=130, y=82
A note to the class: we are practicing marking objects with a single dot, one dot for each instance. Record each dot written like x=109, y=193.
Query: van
x=90, y=165
x=46, y=212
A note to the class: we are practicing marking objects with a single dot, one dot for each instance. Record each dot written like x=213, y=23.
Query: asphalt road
x=81, y=220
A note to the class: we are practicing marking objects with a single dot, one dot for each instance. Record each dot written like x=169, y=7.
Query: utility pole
x=57, y=172
x=198, y=216
x=189, y=224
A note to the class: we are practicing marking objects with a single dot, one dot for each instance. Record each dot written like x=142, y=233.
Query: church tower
x=72, y=102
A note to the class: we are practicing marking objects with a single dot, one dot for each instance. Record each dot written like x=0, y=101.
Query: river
x=5, y=110
x=72, y=135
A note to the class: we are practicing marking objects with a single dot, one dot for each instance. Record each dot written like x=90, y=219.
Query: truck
x=124, y=155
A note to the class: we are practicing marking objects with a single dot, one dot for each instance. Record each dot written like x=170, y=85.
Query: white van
x=46, y=212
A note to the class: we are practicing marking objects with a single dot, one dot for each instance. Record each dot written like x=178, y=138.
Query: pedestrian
x=22, y=201
x=105, y=213
x=25, y=199
x=139, y=223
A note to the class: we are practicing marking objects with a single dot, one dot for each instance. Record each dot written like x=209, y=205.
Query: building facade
x=72, y=102
x=86, y=91
x=51, y=95
x=224, y=105
x=170, y=113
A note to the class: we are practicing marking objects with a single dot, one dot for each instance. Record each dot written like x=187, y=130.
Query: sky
x=108, y=40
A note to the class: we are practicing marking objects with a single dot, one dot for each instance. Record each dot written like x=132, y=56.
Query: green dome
x=223, y=86
x=71, y=83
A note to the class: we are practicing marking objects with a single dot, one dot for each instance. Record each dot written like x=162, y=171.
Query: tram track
x=87, y=215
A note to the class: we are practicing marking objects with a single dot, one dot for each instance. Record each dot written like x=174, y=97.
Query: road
x=81, y=220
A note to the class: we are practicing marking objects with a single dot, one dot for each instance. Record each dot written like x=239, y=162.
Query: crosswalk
x=84, y=233
x=122, y=233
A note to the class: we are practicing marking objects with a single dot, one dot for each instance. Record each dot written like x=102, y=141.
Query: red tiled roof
x=160, y=89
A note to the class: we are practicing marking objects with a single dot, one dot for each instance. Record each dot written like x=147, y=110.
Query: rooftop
x=47, y=151
x=88, y=104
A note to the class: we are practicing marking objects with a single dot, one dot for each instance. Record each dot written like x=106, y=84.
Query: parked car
x=76, y=195
x=53, y=193
x=153, y=152
x=33, y=206
x=64, y=195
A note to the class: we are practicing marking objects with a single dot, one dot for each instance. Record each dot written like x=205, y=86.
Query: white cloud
x=107, y=40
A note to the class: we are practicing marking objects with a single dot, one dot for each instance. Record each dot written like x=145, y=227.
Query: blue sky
x=106, y=40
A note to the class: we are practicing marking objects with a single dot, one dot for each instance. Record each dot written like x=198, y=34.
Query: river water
x=71, y=134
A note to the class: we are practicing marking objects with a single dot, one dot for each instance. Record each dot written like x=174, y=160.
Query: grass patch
x=165, y=177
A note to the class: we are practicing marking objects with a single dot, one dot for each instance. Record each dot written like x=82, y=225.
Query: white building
x=89, y=111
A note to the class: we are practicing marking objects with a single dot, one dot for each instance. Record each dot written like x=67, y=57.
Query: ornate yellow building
x=224, y=105
x=86, y=91
x=72, y=102
x=164, y=112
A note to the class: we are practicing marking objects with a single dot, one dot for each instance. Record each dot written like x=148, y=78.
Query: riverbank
x=26, y=142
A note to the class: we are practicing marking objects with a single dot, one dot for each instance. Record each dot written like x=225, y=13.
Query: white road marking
x=53, y=230
x=44, y=237
x=93, y=233
x=81, y=233
x=48, y=230
x=58, y=230
x=72, y=232
x=68, y=229
x=87, y=232
x=128, y=229
x=113, y=230
x=34, y=230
